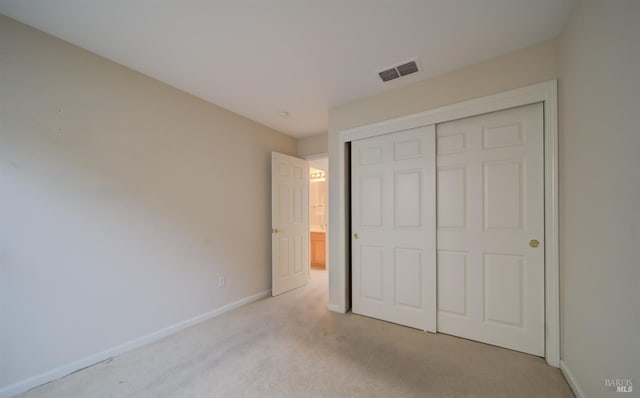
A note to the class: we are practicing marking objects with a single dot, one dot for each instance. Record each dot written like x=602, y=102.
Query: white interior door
x=393, y=227
x=290, y=222
x=490, y=209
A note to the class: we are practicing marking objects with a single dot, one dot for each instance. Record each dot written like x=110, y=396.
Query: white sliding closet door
x=490, y=236
x=393, y=227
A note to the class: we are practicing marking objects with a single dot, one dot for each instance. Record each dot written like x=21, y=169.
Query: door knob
x=534, y=243
x=275, y=230
x=356, y=235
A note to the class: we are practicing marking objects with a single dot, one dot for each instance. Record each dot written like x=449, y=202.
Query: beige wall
x=599, y=90
x=315, y=145
x=533, y=64
x=527, y=66
x=122, y=201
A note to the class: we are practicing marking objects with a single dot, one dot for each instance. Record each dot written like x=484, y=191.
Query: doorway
x=318, y=213
x=299, y=212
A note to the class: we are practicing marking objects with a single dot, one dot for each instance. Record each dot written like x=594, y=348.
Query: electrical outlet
x=221, y=281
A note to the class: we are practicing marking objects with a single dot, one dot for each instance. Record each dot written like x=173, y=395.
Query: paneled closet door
x=393, y=227
x=490, y=237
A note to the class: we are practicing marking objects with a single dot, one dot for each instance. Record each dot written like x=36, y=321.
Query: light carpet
x=292, y=346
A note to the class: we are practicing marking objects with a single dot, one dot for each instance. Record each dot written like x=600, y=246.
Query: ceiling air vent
x=396, y=71
x=389, y=74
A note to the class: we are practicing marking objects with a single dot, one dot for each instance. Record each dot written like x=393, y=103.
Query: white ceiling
x=260, y=57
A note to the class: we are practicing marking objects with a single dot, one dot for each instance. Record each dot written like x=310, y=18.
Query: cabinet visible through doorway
x=318, y=251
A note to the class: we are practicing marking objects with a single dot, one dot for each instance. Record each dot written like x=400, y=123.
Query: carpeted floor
x=292, y=346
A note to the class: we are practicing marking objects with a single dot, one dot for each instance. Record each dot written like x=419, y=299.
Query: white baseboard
x=337, y=308
x=53, y=374
x=571, y=379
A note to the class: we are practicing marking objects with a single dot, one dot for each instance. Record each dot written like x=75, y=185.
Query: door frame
x=546, y=93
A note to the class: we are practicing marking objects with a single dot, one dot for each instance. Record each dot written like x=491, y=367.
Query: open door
x=289, y=222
